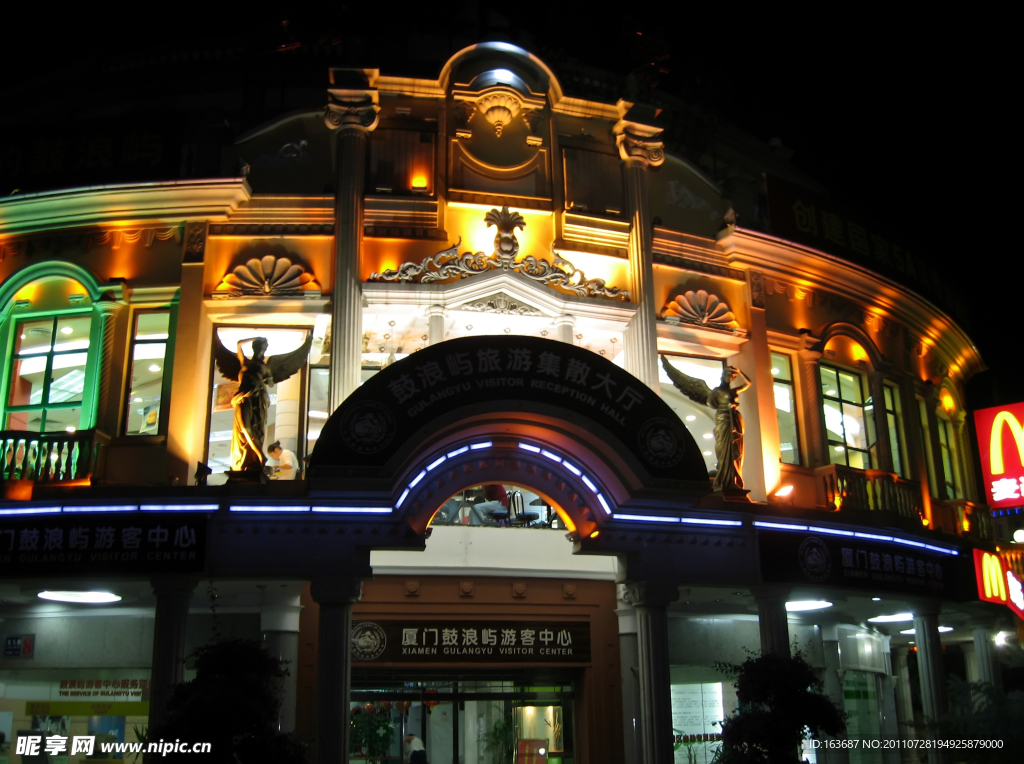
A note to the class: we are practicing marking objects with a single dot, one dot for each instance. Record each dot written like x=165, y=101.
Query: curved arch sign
x=1001, y=447
x=444, y=383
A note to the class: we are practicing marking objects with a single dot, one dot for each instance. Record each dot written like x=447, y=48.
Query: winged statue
x=255, y=375
x=724, y=399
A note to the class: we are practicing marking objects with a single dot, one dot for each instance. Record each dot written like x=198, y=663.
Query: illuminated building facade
x=490, y=263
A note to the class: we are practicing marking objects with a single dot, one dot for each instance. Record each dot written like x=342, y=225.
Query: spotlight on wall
x=1018, y=536
x=894, y=618
x=786, y=490
x=78, y=597
x=800, y=606
x=1000, y=639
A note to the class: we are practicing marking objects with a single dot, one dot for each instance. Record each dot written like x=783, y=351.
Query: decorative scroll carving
x=501, y=303
x=450, y=265
x=195, y=242
x=648, y=149
x=699, y=308
x=756, y=289
x=115, y=237
x=352, y=109
x=268, y=277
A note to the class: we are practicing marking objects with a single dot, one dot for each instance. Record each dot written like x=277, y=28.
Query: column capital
x=342, y=590
x=566, y=319
x=650, y=593
x=435, y=310
x=639, y=143
x=352, y=109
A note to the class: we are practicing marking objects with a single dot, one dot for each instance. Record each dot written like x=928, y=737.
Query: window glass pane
x=834, y=421
x=781, y=368
x=67, y=377
x=786, y=412
x=152, y=325
x=319, y=389
x=145, y=389
x=849, y=387
x=889, y=399
x=698, y=419
x=62, y=420
x=895, y=444
x=26, y=386
x=28, y=421
x=34, y=337
x=854, y=428
x=72, y=333
x=857, y=459
x=836, y=454
x=829, y=383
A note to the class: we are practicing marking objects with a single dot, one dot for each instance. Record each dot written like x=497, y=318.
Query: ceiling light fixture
x=79, y=597
x=942, y=630
x=799, y=606
x=154, y=367
x=66, y=330
x=894, y=618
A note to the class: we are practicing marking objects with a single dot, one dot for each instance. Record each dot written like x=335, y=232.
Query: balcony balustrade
x=850, y=490
x=53, y=457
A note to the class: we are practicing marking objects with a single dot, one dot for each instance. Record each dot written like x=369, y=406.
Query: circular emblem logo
x=368, y=641
x=368, y=427
x=660, y=442
x=815, y=561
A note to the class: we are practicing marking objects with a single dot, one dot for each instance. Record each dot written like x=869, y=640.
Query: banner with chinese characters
x=130, y=542
x=798, y=214
x=848, y=561
x=491, y=373
x=445, y=641
x=1001, y=449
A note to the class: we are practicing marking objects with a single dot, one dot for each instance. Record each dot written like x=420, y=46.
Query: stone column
x=931, y=671
x=334, y=666
x=876, y=386
x=435, y=324
x=279, y=625
x=833, y=681
x=173, y=597
x=761, y=470
x=810, y=393
x=640, y=147
x=564, y=326
x=986, y=667
x=651, y=600
x=629, y=666
x=106, y=311
x=773, y=620
x=904, y=702
x=352, y=112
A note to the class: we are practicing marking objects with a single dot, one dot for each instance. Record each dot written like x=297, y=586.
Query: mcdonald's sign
x=997, y=583
x=1001, y=446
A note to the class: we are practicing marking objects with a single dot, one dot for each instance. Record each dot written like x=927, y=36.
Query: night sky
x=898, y=115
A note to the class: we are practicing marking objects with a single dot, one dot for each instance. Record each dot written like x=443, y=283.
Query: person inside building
x=415, y=752
x=285, y=467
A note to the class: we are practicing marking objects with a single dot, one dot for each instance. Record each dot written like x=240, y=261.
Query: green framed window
x=849, y=418
x=144, y=407
x=894, y=424
x=47, y=373
x=785, y=408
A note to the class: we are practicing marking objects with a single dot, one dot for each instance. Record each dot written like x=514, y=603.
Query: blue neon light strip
x=355, y=510
x=253, y=508
x=30, y=511
x=104, y=508
x=402, y=498
x=648, y=518
x=528, y=447
x=604, y=504
x=698, y=521
x=477, y=446
x=857, y=534
x=179, y=507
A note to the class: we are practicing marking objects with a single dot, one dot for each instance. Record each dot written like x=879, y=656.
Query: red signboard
x=1001, y=443
x=997, y=583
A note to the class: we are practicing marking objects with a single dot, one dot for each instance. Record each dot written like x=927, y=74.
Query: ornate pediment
x=450, y=265
x=500, y=303
x=269, y=276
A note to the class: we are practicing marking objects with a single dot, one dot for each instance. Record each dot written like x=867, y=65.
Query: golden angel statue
x=724, y=399
x=255, y=375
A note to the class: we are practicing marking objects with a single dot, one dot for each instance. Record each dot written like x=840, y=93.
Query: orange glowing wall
x=224, y=253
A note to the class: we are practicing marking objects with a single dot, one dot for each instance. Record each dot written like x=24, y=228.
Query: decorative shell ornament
x=268, y=276
x=699, y=308
x=499, y=109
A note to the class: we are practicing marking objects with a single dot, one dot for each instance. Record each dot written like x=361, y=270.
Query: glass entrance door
x=463, y=722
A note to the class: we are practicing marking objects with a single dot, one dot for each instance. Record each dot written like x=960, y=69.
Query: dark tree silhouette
x=233, y=704
x=780, y=697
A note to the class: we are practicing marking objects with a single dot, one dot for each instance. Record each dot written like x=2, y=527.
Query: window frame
x=84, y=404
x=791, y=384
x=949, y=448
x=867, y=416
x=896, y=425
x=165, y=383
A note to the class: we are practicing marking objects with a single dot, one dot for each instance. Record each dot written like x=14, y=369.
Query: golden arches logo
x=992, y=577
x=995, y=446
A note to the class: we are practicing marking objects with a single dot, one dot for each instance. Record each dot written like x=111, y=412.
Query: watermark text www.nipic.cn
x=58, y=745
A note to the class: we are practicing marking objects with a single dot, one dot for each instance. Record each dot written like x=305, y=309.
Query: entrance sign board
x=489, y=373
x=446, y=641
x=997, y=583
x=104, y=543
x=1001, y=448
